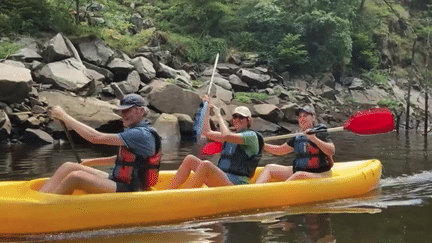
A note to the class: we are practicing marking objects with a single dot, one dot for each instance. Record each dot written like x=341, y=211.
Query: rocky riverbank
x=76, y=74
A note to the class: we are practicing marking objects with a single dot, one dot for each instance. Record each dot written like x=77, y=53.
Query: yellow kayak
x=24, y=210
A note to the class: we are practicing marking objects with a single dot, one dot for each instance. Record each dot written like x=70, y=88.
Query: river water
x=398, y=211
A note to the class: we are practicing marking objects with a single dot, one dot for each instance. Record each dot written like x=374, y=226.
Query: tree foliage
x=30, y=16
x=306, y=36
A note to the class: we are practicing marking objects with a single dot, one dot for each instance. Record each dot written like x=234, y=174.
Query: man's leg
x=307, y=175
x=85, y=181
x=190, y=163
x=209, y=174
x=279, y=172
x=64, y=170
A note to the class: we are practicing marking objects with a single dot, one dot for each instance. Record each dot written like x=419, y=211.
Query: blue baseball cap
x=131, y=100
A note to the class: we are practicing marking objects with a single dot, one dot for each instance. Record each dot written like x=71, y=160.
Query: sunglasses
x=237, y=116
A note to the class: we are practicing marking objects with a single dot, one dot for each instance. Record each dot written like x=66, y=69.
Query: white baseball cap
x=242, y=110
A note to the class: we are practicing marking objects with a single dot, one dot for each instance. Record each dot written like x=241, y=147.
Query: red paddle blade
x=371, y=121
x=211, y=148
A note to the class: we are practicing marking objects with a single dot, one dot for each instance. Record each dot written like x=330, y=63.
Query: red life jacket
x=138, y=171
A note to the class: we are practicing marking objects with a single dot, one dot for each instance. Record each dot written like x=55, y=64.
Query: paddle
x=74, y=149
x=365, y=122
x=69, y=138
x=200, y=119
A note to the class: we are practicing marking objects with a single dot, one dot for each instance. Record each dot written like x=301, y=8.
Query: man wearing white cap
x=241, y=152
x=136, y=164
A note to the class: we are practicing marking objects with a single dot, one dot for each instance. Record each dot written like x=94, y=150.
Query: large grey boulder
x=144, y=67
x=131, y=84
x=14, y=63
x=259, y=81
x=36, y=137
x=220, y=81
x=56, y=50
x=168, y=128
x=215, y=91
x=90, y=111
x=227, y=68
x=289, y=110
x=237, y=84
x=68, y=74
x=169, y=98
x=27, y=55
x=371, y=96
x=109, y=76
x=262, y=126
x=15, y=83
x=120, y=67
x=269, y=112
x=94, y=50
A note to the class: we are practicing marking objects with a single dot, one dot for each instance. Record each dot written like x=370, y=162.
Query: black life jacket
x=308, y=156
x=138, y=171
x=234, y=159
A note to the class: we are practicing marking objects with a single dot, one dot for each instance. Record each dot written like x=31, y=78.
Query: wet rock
x=5, y=126
x=167, y=126
x=36, y=137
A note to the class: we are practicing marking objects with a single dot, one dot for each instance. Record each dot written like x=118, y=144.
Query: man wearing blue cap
x=136, y=164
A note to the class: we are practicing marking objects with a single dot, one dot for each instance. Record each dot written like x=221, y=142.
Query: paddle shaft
x=205, y=106
x=291, y=135
x=213, y=73
x=74, y=149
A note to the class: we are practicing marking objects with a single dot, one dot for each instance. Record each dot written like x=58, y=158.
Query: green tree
x=327, y=39
x=291, y=52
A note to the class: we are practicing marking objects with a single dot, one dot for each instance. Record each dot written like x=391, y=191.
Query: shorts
x=312, y=170
x=123, y=187
x=237, y=180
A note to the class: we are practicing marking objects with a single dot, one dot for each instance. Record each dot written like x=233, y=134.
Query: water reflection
x=303, y=228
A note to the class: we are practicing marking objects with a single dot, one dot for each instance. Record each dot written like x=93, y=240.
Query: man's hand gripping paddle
x=366, y=122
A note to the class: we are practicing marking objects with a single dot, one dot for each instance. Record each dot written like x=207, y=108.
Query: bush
x=196, y=50
x=7, y=49
x=376, y=77
x=246, y=97
x=391, y=103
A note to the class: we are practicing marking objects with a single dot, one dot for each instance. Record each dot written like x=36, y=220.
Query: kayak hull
x=24, y=210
